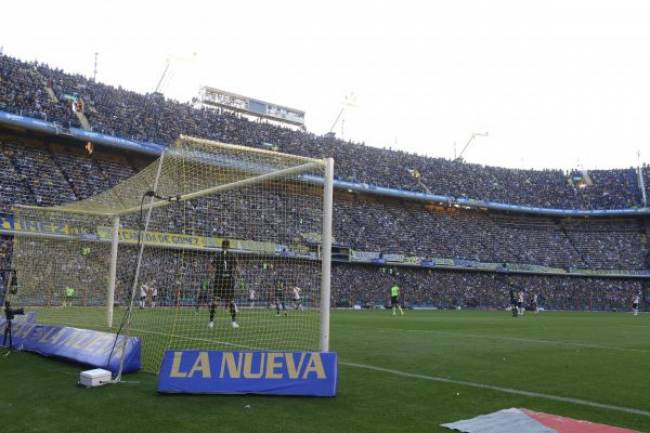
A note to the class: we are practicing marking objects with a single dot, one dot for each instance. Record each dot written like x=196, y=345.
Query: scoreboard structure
x=212, y=97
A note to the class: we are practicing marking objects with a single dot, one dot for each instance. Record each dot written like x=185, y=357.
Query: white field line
x=514, y=391
x=443, y=379
x=204, y=340
x=516, y=339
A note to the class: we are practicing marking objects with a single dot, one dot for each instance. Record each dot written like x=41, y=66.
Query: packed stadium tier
x=35, y=173
x=368, y=285
x=39, y=91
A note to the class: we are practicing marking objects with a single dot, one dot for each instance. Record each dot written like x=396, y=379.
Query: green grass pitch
x=396, y=374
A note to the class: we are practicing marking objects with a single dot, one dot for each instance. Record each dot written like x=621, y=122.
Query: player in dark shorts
x=394, y=299
x=225, y=266
x=520, y=303
x=513, y=303
x=278, y=296
x=203, y=297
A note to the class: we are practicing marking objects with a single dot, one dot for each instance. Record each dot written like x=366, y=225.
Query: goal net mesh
x=268, y=206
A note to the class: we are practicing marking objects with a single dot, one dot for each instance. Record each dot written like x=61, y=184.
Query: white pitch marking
x=182, y=337
x=501, y=389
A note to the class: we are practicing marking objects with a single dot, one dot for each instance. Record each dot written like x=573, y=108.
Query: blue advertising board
x=81, y=345
x=269, y=373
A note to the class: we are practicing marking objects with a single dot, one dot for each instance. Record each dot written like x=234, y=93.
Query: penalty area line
x=204, y=340
x=514, y=391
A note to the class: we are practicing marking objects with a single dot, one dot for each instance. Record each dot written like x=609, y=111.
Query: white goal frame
x=326, y=164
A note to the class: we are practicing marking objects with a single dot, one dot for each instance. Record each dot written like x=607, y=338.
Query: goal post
x=112, y=272
x=141, y=255
x=326, y=254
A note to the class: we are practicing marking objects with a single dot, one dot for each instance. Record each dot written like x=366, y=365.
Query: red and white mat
x=528, y=421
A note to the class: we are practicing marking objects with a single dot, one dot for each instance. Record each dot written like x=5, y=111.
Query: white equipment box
x=96, y=377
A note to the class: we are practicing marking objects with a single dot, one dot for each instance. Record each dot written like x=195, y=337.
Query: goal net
x=145, y=257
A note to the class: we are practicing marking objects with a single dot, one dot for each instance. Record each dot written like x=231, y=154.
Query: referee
x=223, y=288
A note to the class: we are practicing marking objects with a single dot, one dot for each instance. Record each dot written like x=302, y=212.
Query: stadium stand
x=35, y=171
x=152, y=118
x=449, y=289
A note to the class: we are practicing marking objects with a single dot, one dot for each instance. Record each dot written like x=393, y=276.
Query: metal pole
x=326, y=256
x=639, y=173
x=143, y=233
x=110, y=296
x=644, y=197
x=95, y=68
x=287, y=172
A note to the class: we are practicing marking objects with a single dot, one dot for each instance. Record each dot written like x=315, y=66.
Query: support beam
x=644, y=197
x=246, y=149
x=62, y=209
x=326, y=256
x=110, y=293
x=136, y=276
x=227, y=187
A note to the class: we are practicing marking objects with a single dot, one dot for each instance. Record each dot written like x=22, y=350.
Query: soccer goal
x=145, y=257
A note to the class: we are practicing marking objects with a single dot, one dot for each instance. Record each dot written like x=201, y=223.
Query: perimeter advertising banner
x=94, y=348
x=271, y=373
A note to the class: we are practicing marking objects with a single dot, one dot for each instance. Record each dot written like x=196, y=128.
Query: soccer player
x=394, y=299
x=225, y=265
x=144, y=289
x=154, y=294
x=635, y=304
x=296, y=298
x=203, y=295
x=69, y=295
x=534, y=305
x=513, y=303
x=251, y=297
x=520, y=303
x=279, y=297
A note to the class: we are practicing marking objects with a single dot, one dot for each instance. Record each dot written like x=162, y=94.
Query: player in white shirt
x=144, y=290
x=534, y=305
x=296, y=298
x=635, y=305
x=520, y=303
x=251, y=297
x=154, y=294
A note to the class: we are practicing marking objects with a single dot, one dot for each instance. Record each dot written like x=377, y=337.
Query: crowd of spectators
x=47, y=174
x=369, y=286
x=392, y=226
x=53, y=174
x=25, y=89
x=179, y=278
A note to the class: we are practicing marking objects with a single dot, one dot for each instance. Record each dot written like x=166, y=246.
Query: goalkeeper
x=223, y=288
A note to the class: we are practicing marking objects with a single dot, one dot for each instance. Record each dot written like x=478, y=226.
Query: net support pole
x=326, y=255
x=136, y=276
x=110, y=293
